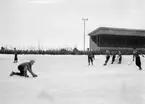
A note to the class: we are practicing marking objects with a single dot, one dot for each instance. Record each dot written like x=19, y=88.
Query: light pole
x=84, y=19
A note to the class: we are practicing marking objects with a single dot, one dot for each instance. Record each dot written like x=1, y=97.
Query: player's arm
x=141, y=54
x=25, y=71
x=32, y=73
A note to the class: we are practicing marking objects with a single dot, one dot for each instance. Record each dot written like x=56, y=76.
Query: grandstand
x=117, y=38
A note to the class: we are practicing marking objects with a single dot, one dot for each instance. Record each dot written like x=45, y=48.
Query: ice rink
x=69, y=80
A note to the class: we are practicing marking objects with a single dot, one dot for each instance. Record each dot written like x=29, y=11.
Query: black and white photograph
x=72, y=51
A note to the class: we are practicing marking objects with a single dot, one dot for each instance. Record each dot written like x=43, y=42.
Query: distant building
x=117, y=38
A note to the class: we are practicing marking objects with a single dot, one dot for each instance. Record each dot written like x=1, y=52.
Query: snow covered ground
x=69, y=80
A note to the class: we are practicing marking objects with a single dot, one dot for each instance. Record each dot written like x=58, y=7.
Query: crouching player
x=23, y=67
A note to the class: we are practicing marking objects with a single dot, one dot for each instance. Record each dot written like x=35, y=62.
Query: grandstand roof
x=117, y=31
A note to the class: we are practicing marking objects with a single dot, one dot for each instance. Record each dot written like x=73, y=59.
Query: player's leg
x=88, y=60
x=12, y=73
x=15, y=73
x=139, y=66
x=91, y=60
x=24, y=72
x=107, y=59
x=113, y=59
x=120, y=60
x=138, y=63
x=16, y=59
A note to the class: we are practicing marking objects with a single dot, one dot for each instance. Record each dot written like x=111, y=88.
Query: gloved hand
x=35, y=75
x=26, y=76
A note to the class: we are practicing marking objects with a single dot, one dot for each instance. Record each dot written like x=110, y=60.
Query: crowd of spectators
x=62, y=51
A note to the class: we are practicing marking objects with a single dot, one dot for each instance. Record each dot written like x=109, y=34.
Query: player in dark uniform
x=113, y=56
x=137, y=58
x=119, y=57
x=107, y=57
x=23, y=67
x=15, y=56
x=90, y=56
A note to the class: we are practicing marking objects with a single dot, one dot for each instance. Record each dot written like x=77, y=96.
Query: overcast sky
x=58, y=23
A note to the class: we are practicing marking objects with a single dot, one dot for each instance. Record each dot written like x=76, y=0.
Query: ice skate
x=12, y=73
